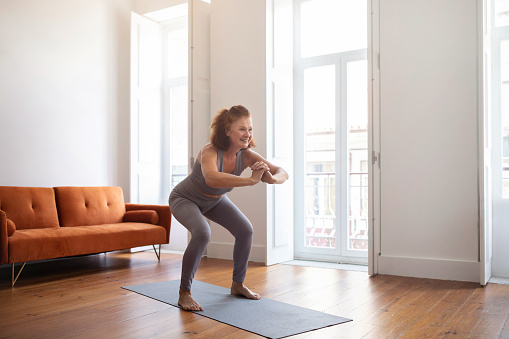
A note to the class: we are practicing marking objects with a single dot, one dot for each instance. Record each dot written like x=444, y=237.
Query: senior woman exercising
x=202, y=194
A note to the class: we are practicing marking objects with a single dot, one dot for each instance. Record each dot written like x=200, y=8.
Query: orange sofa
x=39, y=223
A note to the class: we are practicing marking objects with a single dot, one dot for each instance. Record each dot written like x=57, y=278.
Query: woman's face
x=240, y=133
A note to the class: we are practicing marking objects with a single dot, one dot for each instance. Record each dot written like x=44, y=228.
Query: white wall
x=64, y=92
x=429, y=148
x=238, y=76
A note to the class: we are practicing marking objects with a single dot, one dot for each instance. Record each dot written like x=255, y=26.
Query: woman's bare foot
x=187, y=302
x=240, y=289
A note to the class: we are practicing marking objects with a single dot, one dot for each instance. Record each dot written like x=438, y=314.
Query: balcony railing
x=321, y=225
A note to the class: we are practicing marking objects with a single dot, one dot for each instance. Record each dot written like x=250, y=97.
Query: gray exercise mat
x=266, y=317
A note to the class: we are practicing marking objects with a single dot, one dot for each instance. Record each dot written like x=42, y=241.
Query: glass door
x=356, y=176
x=319, y=150
x=331, y=130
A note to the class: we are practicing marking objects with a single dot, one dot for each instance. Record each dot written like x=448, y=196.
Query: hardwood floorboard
x=496, y=315
x=82, y=298
x=470, y=313
x=505, y=331
x=419, y=303
x=444, y=310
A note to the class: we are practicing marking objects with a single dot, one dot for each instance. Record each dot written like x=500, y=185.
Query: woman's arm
x=216, y=179
x=275, y=174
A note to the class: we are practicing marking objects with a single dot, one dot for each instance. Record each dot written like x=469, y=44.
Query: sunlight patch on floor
x=497, y=280
x=320, y=264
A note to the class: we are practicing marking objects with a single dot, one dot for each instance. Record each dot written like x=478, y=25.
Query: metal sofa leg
x=13, y=280
x=158, y=254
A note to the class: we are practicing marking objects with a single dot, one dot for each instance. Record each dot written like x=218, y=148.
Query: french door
x=331, y=130
x=332, y=150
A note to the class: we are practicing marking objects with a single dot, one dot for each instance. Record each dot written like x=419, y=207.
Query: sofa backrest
x=29, y=207
x=84, y=206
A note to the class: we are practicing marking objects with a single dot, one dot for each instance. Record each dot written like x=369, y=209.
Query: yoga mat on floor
x=265, y=317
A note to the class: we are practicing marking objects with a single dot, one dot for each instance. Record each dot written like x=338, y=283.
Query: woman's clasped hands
x=259, y=168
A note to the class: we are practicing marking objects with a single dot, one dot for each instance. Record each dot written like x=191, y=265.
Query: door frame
x=374, y=209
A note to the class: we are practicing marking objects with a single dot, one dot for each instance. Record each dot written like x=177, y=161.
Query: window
x=175, y=97
x=340, y=24
x=159, y=113
x=501, y=13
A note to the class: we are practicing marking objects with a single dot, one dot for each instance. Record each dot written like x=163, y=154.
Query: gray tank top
x=199, y=181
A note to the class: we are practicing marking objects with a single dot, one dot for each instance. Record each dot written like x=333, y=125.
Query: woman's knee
x=201, y=235
x=245, y=229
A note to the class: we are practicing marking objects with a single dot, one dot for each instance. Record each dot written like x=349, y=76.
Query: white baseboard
x=225, y=251
x=430, y=268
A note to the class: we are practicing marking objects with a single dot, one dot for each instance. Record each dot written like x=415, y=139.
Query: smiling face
x=240, y=133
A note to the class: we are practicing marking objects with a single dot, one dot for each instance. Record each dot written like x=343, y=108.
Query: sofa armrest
x=11, y=227
x=162, y=210
x=144, y=216
x=4, y=251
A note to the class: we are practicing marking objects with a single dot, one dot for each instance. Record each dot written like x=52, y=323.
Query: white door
x=280, y=131
x=429, y=183
x=146, y=71
x=485, y=140
x=500, y=135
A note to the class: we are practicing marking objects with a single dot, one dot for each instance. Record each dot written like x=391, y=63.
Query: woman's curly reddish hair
x=223, y=121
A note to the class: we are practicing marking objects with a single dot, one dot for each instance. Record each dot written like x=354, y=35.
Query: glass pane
x=332, y=26
x=501, y=13
x=179, y=131
x=319, y=143
x=504, y=74
x=177, y=55
x=357, y=115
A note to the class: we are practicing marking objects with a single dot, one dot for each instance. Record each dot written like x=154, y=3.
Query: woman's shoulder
x=250, y=156
x=249, y=152
x=209, y=150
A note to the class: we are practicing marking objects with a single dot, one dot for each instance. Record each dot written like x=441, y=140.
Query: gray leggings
x=190, y=207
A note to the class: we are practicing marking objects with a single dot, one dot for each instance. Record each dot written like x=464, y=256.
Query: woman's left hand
x=268, y=178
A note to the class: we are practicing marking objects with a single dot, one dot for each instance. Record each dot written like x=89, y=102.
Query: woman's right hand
x=257, y=176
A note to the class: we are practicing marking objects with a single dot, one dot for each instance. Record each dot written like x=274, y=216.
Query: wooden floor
x=82, y=298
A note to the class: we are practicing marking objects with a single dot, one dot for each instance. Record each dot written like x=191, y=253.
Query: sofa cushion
x=145, y=216
x=70, y=241
x=84, y=206
x=29, y=207
x=11, y=227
